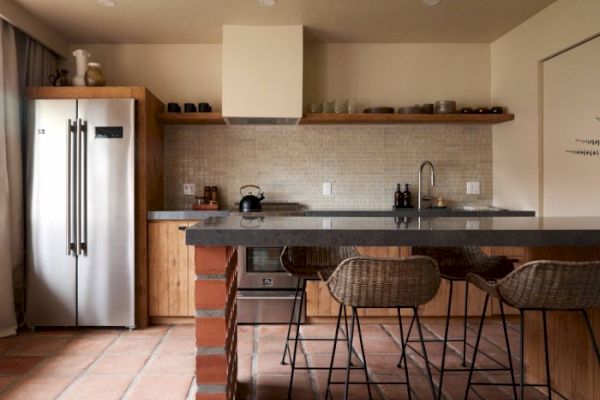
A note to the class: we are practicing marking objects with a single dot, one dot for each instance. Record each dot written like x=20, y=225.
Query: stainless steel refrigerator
x=80, y=213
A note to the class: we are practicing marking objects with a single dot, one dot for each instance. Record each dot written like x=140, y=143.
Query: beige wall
x=35, y=28
x=515, y=62
x=398, y=74
x=174, y=72
x=374, y=74
x=363, y=163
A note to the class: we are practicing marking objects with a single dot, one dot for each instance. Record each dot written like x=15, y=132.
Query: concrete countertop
x=402, y=212
x=395, y=231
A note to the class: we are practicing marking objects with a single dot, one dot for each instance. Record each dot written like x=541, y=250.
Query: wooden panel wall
x=574, y=369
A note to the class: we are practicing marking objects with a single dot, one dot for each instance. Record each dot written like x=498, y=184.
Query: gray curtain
x=35, y=64
x=11, y=187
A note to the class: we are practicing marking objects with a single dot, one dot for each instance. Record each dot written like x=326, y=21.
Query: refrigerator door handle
x=82, y=192
x=70, y=128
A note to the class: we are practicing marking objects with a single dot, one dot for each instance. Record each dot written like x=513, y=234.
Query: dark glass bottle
x=398, y=198
x=406, y=197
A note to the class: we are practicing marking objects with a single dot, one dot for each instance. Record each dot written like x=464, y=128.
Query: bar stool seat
x=307, y=263
x=542, y=286
x=366, y=282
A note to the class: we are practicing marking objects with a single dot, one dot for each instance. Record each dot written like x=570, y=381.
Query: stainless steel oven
x=265, y=290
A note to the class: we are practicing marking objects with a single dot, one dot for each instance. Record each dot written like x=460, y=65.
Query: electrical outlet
x=473, y=187
x=326, y=223
x=326, y=188
x=189, y=188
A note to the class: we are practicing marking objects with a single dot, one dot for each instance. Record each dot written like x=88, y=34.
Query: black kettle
x=251, y=198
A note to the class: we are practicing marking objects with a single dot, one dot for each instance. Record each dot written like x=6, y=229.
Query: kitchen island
x=575, y=371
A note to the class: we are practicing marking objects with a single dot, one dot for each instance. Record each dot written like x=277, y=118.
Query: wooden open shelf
x=197, y=118
x=366, y=118
x=215, y=118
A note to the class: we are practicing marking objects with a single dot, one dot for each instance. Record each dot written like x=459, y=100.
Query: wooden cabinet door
x=171, y=270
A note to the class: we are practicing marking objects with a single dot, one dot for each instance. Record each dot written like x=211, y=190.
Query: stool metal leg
x=299, y=319
x=412, y=322
x=445, y=345
x=508, y=352
x=362, y=350
x=548, y=383
x=479, y=331
x=337, y=330
x=286, y=348
x=591, y=332
x=403, y=344
x=522, y=355
x=425, y=353
x=465, y=320
x=350, y=338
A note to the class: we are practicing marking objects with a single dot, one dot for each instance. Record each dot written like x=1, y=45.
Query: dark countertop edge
x=180, y=215
x=410, y=212
x=520, y=238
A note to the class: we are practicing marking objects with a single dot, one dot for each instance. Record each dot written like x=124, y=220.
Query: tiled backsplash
x=363, y=163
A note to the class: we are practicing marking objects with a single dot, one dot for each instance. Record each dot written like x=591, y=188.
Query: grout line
x=83, y=373
x=138, y=375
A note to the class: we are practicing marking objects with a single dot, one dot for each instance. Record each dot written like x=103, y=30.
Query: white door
x=571, y=132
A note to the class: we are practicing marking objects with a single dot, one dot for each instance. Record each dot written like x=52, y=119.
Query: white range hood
x=262, y=74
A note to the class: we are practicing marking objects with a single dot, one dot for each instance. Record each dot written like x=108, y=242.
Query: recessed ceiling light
x=268, y=3
x=431, y=2
x=107, y=3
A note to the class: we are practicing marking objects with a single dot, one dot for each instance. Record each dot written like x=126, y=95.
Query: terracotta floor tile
x=126, y=364
x=64, y=364
x=7, y=343
x=275, y=345
x=49, y=332
x=183, y=330
x=177, y=345
x=278, y=331
x=37, y=346
x=38, y=388
x=171, y=364
x=275, y=387
x=161, y=388
x=154, y=330
x=98, y=387
x=270, y=363
x=377, y=344
x=89, y=344
x=318, y=331
x=245, y=343
x=245, y=369
x=129, y=345
x=18, y=365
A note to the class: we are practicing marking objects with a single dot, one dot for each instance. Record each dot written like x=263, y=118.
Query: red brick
x=211, y=332
x=211, y=396
x=211, y=369
x=211, y=294
x=211, y=260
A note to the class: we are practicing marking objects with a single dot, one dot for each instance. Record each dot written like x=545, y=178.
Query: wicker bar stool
x=541, y=286
x=454, y=264
x=308, y=263
x=366, y=282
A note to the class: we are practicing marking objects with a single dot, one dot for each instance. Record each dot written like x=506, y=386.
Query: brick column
x=216, y=320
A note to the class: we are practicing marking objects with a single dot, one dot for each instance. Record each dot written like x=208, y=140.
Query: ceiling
x=200, y=21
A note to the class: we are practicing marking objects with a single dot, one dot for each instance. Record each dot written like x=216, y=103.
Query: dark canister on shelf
x=406, y=196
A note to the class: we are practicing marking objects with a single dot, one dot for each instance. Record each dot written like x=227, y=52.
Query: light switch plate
x=326, y=188
x=473, y=187
x=189, y=188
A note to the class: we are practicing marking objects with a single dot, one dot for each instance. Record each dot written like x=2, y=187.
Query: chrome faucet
x=424, y=163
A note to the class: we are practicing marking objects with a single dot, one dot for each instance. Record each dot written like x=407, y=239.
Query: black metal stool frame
x=350, y=339
x=442, y=368
x=301, y=287
x=522, y=383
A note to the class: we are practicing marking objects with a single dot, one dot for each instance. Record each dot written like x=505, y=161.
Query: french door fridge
x=80, y=213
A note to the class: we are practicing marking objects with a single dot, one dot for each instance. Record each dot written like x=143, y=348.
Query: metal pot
x=251, y=198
